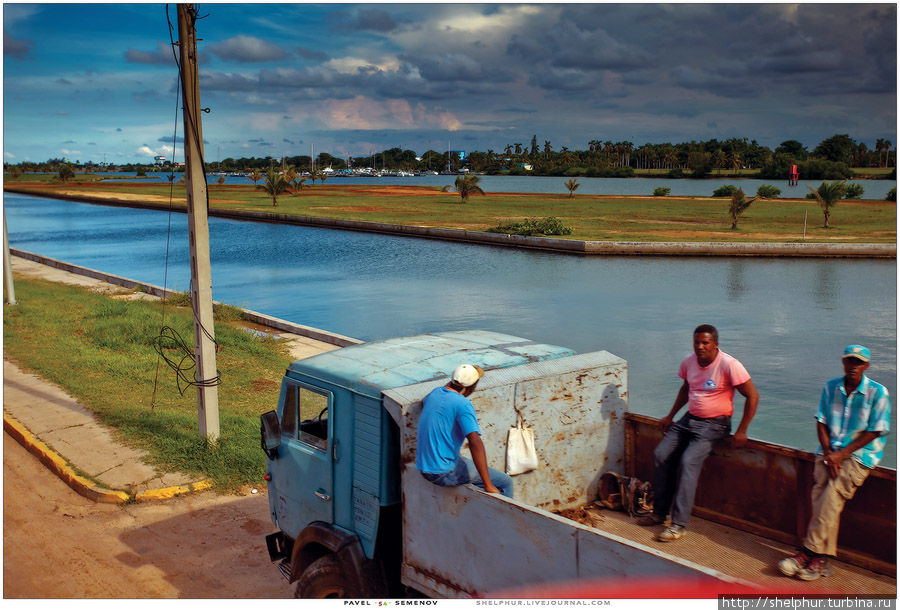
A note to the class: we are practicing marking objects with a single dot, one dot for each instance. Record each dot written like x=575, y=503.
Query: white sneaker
x=671, y=533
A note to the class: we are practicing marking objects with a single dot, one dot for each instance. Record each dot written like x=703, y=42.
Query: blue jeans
x=465, y=472
x=678, y=460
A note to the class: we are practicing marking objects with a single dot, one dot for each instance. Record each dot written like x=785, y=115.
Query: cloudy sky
x=95, y=82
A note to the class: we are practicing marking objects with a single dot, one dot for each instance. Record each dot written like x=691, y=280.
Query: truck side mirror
x=270, y=433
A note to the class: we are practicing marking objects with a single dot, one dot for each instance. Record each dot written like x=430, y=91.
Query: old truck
x=356, y=519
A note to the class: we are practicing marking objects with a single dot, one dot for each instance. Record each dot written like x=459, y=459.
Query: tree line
x=831, y=159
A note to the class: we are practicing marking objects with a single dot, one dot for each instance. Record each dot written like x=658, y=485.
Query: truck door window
x=289, y=415
x=313, y=418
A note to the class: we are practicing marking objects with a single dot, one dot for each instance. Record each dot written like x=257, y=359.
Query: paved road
x=57, y=544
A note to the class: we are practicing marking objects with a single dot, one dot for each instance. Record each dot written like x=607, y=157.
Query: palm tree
x=255, y=175
x=572, y=184
x=739, y=205
x=828, y=194
x=274, y=185
x=465, y=185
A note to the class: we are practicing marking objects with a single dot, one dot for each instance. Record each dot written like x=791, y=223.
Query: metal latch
x=320, y=493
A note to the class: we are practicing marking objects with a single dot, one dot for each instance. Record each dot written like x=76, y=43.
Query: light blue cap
x=857, y=351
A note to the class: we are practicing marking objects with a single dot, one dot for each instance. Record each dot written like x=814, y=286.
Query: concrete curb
x=83, y=486
x=251, y=316
x=551, y=244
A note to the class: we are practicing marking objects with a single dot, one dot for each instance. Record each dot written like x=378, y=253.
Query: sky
x=97, y=81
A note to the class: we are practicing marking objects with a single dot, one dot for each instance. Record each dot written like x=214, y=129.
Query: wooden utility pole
x=7, y=266
x=201, y=276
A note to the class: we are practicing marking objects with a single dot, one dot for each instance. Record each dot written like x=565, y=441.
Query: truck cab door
x=302, y=472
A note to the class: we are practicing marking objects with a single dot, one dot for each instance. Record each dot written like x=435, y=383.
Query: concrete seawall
x=563, y=246
x=247, y=314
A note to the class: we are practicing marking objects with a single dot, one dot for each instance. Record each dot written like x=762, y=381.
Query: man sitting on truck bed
x=447, y=419
x=710, y=378
x=853, y=417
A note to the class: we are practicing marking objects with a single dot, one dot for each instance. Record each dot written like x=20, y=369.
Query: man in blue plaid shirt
x=853, y=418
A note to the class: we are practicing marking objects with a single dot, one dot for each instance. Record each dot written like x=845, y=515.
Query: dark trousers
x=678, y=460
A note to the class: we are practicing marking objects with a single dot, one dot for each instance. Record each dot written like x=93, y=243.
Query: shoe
x=815, y=569
x=793, y=564
x=651, y=519
x=671, y=533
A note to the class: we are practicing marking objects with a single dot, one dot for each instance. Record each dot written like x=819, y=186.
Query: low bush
x=725, y=191
x=767, y=191
x=891, y=195
x=661, y=191
x=533, y=226
x=853, y=191
x=675, y=173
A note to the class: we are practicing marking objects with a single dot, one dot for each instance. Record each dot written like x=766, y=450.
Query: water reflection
x=735, y=280
x=823, y=288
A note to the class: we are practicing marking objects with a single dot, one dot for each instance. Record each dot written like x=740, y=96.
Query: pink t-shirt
x=711, y=388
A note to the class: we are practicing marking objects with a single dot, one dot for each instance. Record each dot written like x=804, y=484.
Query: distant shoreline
x=550, y=244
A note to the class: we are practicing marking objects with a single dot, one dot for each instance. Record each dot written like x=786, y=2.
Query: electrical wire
x=169, y=344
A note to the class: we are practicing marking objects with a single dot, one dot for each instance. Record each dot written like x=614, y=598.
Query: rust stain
x=439, y=580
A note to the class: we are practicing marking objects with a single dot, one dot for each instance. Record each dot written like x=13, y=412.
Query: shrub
x=533, y=226
x=767, y=191
x=853, y=191
x=891, y=195
x=661, y=191
x=676, y=173
x=725, y=191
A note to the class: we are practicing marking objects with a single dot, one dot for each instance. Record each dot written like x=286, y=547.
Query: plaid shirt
x=866, y=409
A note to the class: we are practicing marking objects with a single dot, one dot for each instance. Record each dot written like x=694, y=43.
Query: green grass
x=100, y=350
x=592, y=217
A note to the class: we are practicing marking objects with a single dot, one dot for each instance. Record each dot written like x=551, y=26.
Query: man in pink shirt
x=710, y=378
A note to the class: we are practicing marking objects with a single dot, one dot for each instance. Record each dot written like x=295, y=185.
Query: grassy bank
x=100, y=350
x=591, y=217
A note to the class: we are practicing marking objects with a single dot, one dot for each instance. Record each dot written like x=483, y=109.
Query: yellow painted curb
x=170, y=492
x=59, y=466
x=83, y=486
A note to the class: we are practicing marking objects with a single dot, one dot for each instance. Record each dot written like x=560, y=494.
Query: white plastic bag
x=521, y=455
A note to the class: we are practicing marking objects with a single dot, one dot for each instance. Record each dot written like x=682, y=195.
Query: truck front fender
x=319, y=538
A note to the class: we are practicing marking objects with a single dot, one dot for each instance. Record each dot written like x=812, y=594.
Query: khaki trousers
x=828, y=498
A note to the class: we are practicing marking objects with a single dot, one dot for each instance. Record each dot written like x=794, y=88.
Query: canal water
x=787, y=320
x=684, y=187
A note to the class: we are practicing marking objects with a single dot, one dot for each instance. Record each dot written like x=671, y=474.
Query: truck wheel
x=324, y=579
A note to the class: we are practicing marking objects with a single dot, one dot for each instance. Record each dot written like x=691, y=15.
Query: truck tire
x=324, y=579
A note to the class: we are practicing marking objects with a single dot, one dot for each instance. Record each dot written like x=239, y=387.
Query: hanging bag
x=521, y=455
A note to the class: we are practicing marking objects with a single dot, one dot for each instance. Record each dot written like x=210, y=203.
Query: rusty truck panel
x=462, y=542
x=577, y=407
x=765, y=489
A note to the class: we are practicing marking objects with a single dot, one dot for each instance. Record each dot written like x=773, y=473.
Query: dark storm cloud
x=457, y=68
x=319, y=82
x=17, y=48
x=363, y=19
x=247, y=49
x=724, y=50
x=311, y=54
x=162, y=56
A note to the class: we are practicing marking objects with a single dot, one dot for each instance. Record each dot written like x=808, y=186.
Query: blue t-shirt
x=447, y=419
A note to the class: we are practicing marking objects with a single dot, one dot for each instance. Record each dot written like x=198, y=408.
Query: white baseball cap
x=467, y=374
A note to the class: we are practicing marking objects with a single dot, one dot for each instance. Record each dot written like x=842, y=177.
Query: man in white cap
x=448, y=418
x=853, y=417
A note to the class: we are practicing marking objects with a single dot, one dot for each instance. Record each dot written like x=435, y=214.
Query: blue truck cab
x=333, y=467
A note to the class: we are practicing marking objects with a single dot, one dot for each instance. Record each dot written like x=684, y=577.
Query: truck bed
x=738, y=554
